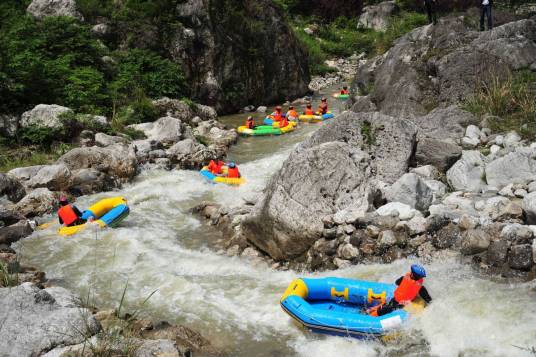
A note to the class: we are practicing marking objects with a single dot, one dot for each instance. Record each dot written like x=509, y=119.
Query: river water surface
x=162, y=247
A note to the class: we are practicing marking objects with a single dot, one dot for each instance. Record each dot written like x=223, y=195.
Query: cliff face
x=236, y=53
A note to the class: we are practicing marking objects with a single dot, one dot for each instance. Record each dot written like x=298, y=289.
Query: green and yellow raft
x=263, y=130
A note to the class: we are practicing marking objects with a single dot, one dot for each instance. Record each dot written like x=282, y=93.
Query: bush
x=41, y=135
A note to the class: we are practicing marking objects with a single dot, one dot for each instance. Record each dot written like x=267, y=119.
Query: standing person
x=430, y=10
x=69, y=215
x=485, y=11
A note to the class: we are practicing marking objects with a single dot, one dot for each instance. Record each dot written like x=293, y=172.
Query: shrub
x=41, y=135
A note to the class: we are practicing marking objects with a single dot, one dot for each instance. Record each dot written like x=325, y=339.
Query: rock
x=44, y=8
x=348, y=251
x=427, y=172
x=472, y=132
x=37, y=203
x=341, y=263
x=511, y=168
x=86, y=181
x=11, y=188
x=8, y=216
x=511, y=211
x=44, y=115
x=520, y=257
x=377, y=16
x=532, y=187
x=517, y=233
x=174, y=108
x=529, y=207
x=401, y=210
x=494, y=149
x=467, y=222
x=9, y=124
x=262, y=109
x=373, y=231
x=35, y=322
x=447, y=236
x=188, y=154
x=211, y=133
x=15, y=232
x=248, y=109
x=117, y=161
x=475, y=241
x=417, y=225
x=444, y=123
x=101, y=30
x=467, y=173
x=439, y=153
x=363, y=104
x=411, y=190
x=520, y=193
x=54, y=177
x=205, y=112
x=25, y=173
x=499, y=140
x=337, y=167
x=497, y=253
x=387, y=239
x=166, y=130
x=507, y=191
x=105, y=140
x=438, y=188
x=470, y=143
x=511, y=139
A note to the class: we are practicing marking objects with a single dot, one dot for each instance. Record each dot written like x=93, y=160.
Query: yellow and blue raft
x=317, y=118
x=337, y=306
x=205, y=172
x=108, y=212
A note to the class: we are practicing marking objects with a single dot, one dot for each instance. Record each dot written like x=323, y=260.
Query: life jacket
x=67, y=215
x=250, y=123
x=345, y=91
x=283, y=123
x=408, y=289
x=292, y=114
x=232, y=172
x=215, y=167
x=277, y=116
x=309, y=111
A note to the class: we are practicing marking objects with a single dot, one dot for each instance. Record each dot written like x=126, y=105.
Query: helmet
x=64, y=199
x=345, y=87
x=308, y=105
x=418, y=270
x=232, y=164
x=250, y=117
x=278, y=107
x=324, y=99
x=291, y=107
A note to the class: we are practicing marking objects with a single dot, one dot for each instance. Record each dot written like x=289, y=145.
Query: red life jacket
x=67, y=215
x=250, y=124
x=278, y=116
x=408, y=289
x=309, y=111
x=344, y=91
x=283, y=123
x=232, y=172
x=215, y=167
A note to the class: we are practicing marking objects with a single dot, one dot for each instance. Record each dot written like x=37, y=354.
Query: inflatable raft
x=221, y=179
x=315, y=118
x=270, y=121
x=341, y=96
x=108, y=212
x=336, y=306
x=263, y=130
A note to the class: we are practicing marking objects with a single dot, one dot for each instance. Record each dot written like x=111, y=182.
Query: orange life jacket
x=345, y=91
x=283, y=123
x=232, y=172
x=292, y=113
x=408, y=289
x=278, y=116
x=67, y=215
x=250, y=123
x=309, y=111
x=215, y=167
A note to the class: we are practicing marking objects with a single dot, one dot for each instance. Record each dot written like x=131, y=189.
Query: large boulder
x=37, y=203
x=514, y=168
x=213, y=133
x=54, y=177
x=338, y=168
x=44, y=115
x=166, y=130
x=117, y=161
x=44, y=8
x=411, y=190
x=105, y=140
x=440, y=153
x=8, y=125
x=24, y=174
x=11, y=188
x=189, y=154
x=15, y=232
x=467, y=174
x=34, y=322
x=529, y=207
x=377, y=17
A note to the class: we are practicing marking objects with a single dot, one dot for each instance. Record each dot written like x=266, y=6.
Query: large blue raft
x=336, y=306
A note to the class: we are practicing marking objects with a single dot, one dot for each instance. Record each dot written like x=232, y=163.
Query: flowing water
x=162, y=247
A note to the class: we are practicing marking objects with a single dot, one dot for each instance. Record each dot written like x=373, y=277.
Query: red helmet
x=324, y=99
x=278, y=107
x=63, y=198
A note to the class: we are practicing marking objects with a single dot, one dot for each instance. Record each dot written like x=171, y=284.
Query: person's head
x=232, y=165
x=250, y=118
x=64, y=201
x=278, y=108
x=417, y=272
x=324, y=99
x=309, y=105
x=345, y=87
x=291, y=107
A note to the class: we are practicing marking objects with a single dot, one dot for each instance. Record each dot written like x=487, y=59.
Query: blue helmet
x=232, y=164
x=417, y=269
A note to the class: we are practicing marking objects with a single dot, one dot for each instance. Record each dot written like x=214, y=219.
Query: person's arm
x=399, y=280
x=77, y=211
x=61, y=220
x=423, y=293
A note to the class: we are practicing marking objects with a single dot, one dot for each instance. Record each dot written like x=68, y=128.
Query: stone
x=248, y=109
x=54, y=177
x=511, y=168
x=9, y=124
x=373, y=231
x=166, y=130
x=45, y=8
x=417, y=225
x=439, y=153
x=37, y=203
x=511, y=139
x=11, y=188
x=347, y=251
x=429, y=172
x=189, y=154
x=474, y=241
x=101, y=30
x=497, y=252
x=411, y=190
x=401, y=210
x=467, y=222
x=467, y=173
x=494, y=149
x=532, y=187
x=507, y=191
x=520, y=193
x=438, y=188
x=262, y=109
x=387, y=239
x=517, y=233
x=15, y=232
x=520, y=257
x=341, y=263
x=499, y=140
x=529, y=207
x=446, y=237
x=35, y=322
x=472, y=132
x=377, y=17
x=105, y=140
x=363, y=104
x=210, y=132
x=470, y=143
x=44, y=115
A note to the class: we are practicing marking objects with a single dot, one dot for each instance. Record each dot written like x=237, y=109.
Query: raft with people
x=205, y=172
x=339, y=306
x=108, y=212
x=264, y=130
x=315, y=118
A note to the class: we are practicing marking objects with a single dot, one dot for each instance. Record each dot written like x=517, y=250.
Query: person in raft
x=284, y=122
x=323, y=106
x=69, y=215
x=409, y=287
x=345, y=90
x=277, y=115
x=250, y=123
x=309, y=109
x=292, y=114
x=215, y=167
x=232, y=171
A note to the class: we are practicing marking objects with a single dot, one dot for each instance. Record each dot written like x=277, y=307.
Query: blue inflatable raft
x=270, y=121
x=337, y=306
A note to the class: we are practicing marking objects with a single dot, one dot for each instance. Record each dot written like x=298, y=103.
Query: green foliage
x=7, y=278
x=12, y=157
x=511, y=100
x=41, y=135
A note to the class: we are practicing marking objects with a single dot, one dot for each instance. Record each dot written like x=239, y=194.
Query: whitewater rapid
x=163, y=248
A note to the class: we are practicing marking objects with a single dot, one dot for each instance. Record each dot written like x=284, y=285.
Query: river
x=162, y=247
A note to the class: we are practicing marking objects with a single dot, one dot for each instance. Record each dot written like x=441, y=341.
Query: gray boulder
x=529, y=207
x=397, y=209
x=517, y=233
x=520, y=257
x=377, y=17
x=511, y=168
x=104, y=140
x=9, y=125
x=213, y=133
x=363, y=104
x=11, y=188
x=24, y=174
x=37, y=203
x=497, y=252
x=189, y=154
x=437, y=152
x=15, y=232
x=54, y=177
x=34, y=322
x=44, y=8
x=166, y=130
x=429, y=172
x=467, y=173
x=87, y=181
x=44, y=115
x=411, y=190
x=475, y=241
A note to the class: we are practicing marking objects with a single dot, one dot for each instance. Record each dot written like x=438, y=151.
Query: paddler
x=292, y=114
x=345, y=90
x=215, y=167
x=250, y=122
x=277, y=115
x=309, y=109
x=232, y=171
x=323, y=106
x=410, y=286
x=68, y=214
